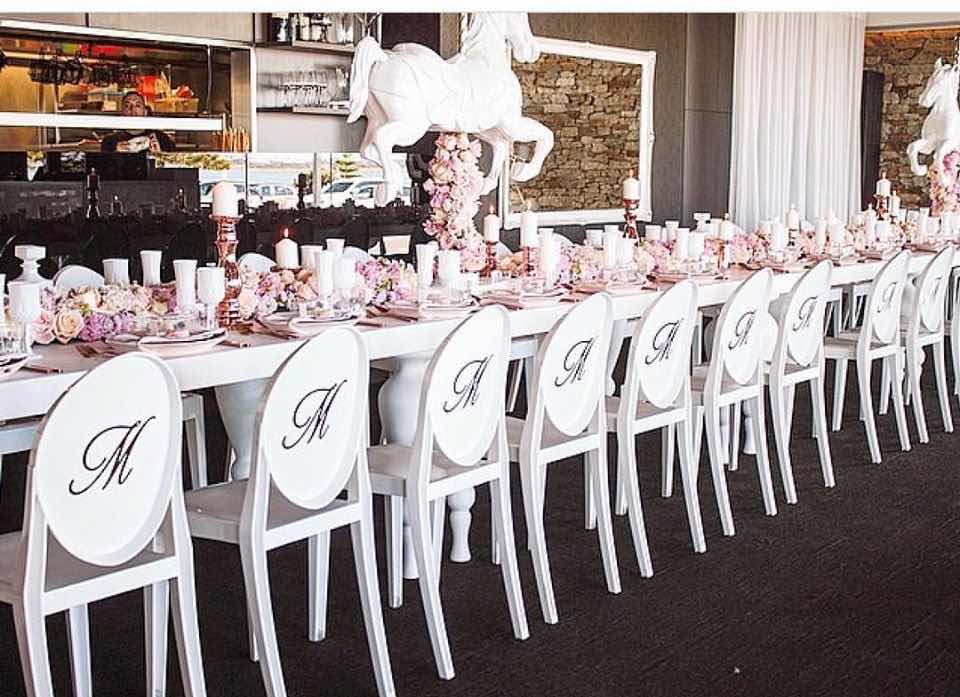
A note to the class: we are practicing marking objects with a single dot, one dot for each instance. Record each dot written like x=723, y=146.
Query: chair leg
x=791, y=395
x=898, y=408
x=620, y=504
x=628, y=454
x=365, y=560
x=513, y=391
x=955, y=354
x=819, y=407
x=763, y=458
x=699, y=419
x=733, y=453
x=866, y=405
x=186, y=629
x=689, y=479
x=779, y=417
x=667, y=443
x=940, y=369
x=500, y=494
x=537, y=542
x=31, y=631
x=913, y=379
x=318, y=581
x=714, y=446
x=597, y=462
x=256, y=581
x=589, y=504
x=78, y=635
x=393, y=517
x=418, y=514
x=156, y=612
x=195, y=430
x=885, y=384
x=439, y=519
x=252, y=636
x=839, y=391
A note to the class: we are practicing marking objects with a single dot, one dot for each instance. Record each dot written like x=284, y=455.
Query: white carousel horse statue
x=941, y=128
x=406, y=91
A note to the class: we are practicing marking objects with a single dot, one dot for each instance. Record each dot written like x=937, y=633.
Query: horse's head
x=516, y=30
x=943, y=84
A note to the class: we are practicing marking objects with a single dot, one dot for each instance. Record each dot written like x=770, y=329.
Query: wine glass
x=211, y=289
x=25, y=308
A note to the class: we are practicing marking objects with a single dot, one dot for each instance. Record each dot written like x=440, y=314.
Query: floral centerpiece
x=577, y=263
x=454, y=187
x=945, y=199
x=91, y=314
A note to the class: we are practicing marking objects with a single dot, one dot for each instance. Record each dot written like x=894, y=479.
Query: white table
x=239, y=374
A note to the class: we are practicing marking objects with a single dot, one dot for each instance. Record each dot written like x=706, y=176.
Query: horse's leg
x=387, y=136
x=375, y=117
x=945, y=148
x=500, y=145
x=526, y=130
x=918, y=147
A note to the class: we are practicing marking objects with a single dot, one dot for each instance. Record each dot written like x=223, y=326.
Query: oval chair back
x=931, y=291
x=882, y=316
x=659, y=359
x=107, y=459
x=254, y=261
x=312, y=421
x=75, y=276
x=462, y=402
x=800, y=335
x=738, y=341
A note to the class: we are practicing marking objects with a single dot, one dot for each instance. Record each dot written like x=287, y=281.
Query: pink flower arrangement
x=388, y=281
x=454, y=187
x=945, y=198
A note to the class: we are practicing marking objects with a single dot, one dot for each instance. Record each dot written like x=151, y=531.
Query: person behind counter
x=124, y=141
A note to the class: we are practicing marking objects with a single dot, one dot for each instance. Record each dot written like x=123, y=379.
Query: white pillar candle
x=611, y=248
x=150, y=261
x=793, y=218
x=335, y=245
x=323, y=268
x=883, y=230
x=883, y=185
x=870, y=230
x=894, y=204
x=838, y=235
x=345, y=277
x=116, y=272
x=491, y=227
x=696, y=245
x=781, y=237
x=653, y=233
x=548, y=257
x=727, y=228
x=631, y=188
x=820, y=235
x=528, y=227
x=287, y=252
x=681, y=248
x=307, y=252
x=185, y=273
x=225, y=199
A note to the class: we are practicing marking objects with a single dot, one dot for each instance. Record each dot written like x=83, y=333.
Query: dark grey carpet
x=854, y=591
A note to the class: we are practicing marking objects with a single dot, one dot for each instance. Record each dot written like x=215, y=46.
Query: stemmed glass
x=25, y=308
x=211, y=289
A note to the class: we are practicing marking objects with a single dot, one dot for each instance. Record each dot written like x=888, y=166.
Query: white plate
x=304, y=326
x=169, y=347
x=12, y=363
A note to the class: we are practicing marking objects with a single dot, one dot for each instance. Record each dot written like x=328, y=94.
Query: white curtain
x=796, y=115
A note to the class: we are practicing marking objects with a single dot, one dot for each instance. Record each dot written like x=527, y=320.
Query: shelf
x=303, y=110
x=139, y=123
x=312, y=46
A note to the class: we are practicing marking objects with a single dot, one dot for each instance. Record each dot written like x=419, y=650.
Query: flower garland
x=578, y=263
x=945, y=199
x=454, y=186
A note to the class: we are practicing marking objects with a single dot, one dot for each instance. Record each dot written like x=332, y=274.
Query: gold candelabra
x=228, y=311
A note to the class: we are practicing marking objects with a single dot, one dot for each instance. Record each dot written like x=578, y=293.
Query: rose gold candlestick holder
x=528, y=267
x=882, y=203
x=491, y=263
x=228, y=311
x=630, y=217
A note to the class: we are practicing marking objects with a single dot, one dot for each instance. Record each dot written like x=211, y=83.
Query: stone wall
x=906, y=59
x=592, y=107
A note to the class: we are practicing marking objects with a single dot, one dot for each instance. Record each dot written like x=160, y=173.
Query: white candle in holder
x=225, y=199
x=793, y=218
x=528, y=227
x=894, y=204
x=727, y=228
x=631, y=188
x=491, y=227
x=883, y=185
x=287, y=252
x=838, y=235
x=820, y=235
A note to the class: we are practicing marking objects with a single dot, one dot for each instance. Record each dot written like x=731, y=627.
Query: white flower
x=247, y=302
x=67, y=325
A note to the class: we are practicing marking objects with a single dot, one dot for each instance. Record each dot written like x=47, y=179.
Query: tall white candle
x=727, y=228
x=894, y=204
x=838, y=235
x=548, y=255
x=491, y=227
x=225, y=199
x=820, y=235
x=528, y=228
x=287, y=252
x=631, y=188
x=883, y=185
x=793, y=218
x=870, y=230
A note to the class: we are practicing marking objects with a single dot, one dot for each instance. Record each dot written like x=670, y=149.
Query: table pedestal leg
x=238, y=404
x=399, y=404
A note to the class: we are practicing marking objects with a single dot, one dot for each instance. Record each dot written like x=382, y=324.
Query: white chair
x=923, y=309
x=15, y=437
x=356, y=253
x=254, y=261
x=733, y=377
x=460, y=442
x=313, y=412
x=877, y=339
x=797, y=359
x=656, y=395
x=565, y=418
x=104, y=515
x=74, y=276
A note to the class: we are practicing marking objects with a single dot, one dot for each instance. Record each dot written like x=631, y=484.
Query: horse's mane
x=472, y=38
